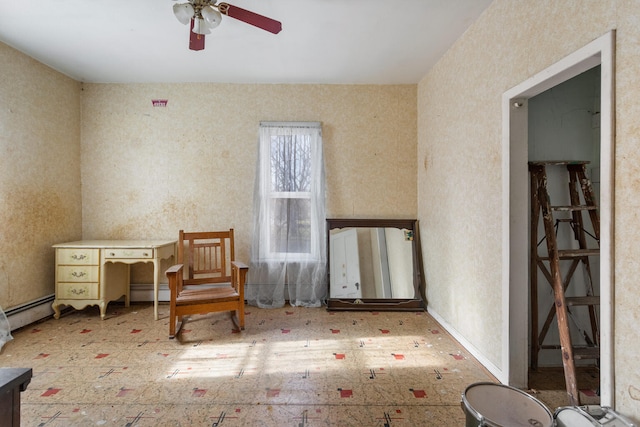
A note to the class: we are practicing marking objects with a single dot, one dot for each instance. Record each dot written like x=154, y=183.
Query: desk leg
x=56, y=309
x=156, y=279
x=127, y=295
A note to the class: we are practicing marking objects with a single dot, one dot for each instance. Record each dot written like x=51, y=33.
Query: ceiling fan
x=204, y=15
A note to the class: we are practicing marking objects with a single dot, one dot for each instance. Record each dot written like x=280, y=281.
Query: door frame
x=515, y=190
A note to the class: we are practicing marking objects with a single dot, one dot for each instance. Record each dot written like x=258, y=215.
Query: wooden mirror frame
x=379, y=304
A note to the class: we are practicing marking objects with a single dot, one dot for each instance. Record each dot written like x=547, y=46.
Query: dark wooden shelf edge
x=364, y=304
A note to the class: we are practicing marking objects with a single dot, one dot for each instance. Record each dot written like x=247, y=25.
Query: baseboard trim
x=484, y=361
x=140, y=292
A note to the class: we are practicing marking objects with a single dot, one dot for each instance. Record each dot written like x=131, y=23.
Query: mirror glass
x=373, y=262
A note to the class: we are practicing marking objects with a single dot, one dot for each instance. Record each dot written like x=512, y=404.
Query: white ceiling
x=322, y=41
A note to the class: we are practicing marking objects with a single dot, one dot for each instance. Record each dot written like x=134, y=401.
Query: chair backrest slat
x=207, y=256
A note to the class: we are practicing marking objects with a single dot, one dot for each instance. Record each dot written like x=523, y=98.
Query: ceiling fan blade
x=196, y=41
x=249, y=17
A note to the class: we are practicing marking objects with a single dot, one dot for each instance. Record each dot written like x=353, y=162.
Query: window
x=288, y=156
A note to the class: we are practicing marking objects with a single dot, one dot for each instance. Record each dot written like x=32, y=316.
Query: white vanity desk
x=96, y=272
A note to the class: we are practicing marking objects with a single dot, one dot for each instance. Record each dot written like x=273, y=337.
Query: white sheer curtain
x=288, y=252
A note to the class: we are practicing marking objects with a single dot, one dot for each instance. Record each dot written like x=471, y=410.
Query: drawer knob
x=79, y=273
x=78, y=257
x=145, y=254
x=112, y=254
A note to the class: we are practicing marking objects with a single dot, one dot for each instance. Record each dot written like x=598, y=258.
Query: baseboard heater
x=30, y=312
x=40, y=308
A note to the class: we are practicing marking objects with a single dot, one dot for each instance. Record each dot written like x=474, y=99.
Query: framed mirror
x=374, y=264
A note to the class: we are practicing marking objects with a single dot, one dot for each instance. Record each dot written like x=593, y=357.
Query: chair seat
x=194, y=296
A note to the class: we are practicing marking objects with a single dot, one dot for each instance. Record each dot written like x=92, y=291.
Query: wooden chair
x=206, y=279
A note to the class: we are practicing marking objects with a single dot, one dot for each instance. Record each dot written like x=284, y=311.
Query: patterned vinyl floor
x=298, y=367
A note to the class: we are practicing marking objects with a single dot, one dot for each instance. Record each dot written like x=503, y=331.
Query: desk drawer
x=78, y=256
x=110, y=253
x=77, y=291
x=78, y=273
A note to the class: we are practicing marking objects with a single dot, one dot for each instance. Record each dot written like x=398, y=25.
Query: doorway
x=516, y=213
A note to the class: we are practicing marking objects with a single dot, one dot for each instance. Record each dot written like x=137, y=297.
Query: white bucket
x=589, y=416
x=497, y=405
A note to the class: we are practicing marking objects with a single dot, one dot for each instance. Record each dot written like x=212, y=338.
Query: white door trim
x=515, y=261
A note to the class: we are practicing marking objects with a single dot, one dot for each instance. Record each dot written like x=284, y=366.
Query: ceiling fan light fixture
x=200, y=26
x=205, y=15
x=212, y=16
x=183, y=12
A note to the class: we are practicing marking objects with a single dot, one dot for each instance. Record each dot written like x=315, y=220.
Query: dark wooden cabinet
x=13, y=381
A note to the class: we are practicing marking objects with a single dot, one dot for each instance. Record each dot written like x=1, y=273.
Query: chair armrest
x=240, y=264
x=174, y=274
x=238, y=277
x=174, y=269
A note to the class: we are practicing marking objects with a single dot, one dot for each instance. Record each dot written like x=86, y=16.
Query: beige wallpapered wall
x=40, y=174
x=147, y=172
x=460, y=165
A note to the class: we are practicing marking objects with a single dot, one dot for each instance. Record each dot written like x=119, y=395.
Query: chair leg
x=172, y=322
x=172, y=327
x=175, y=324
x=235, y=320
x=240, y=312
